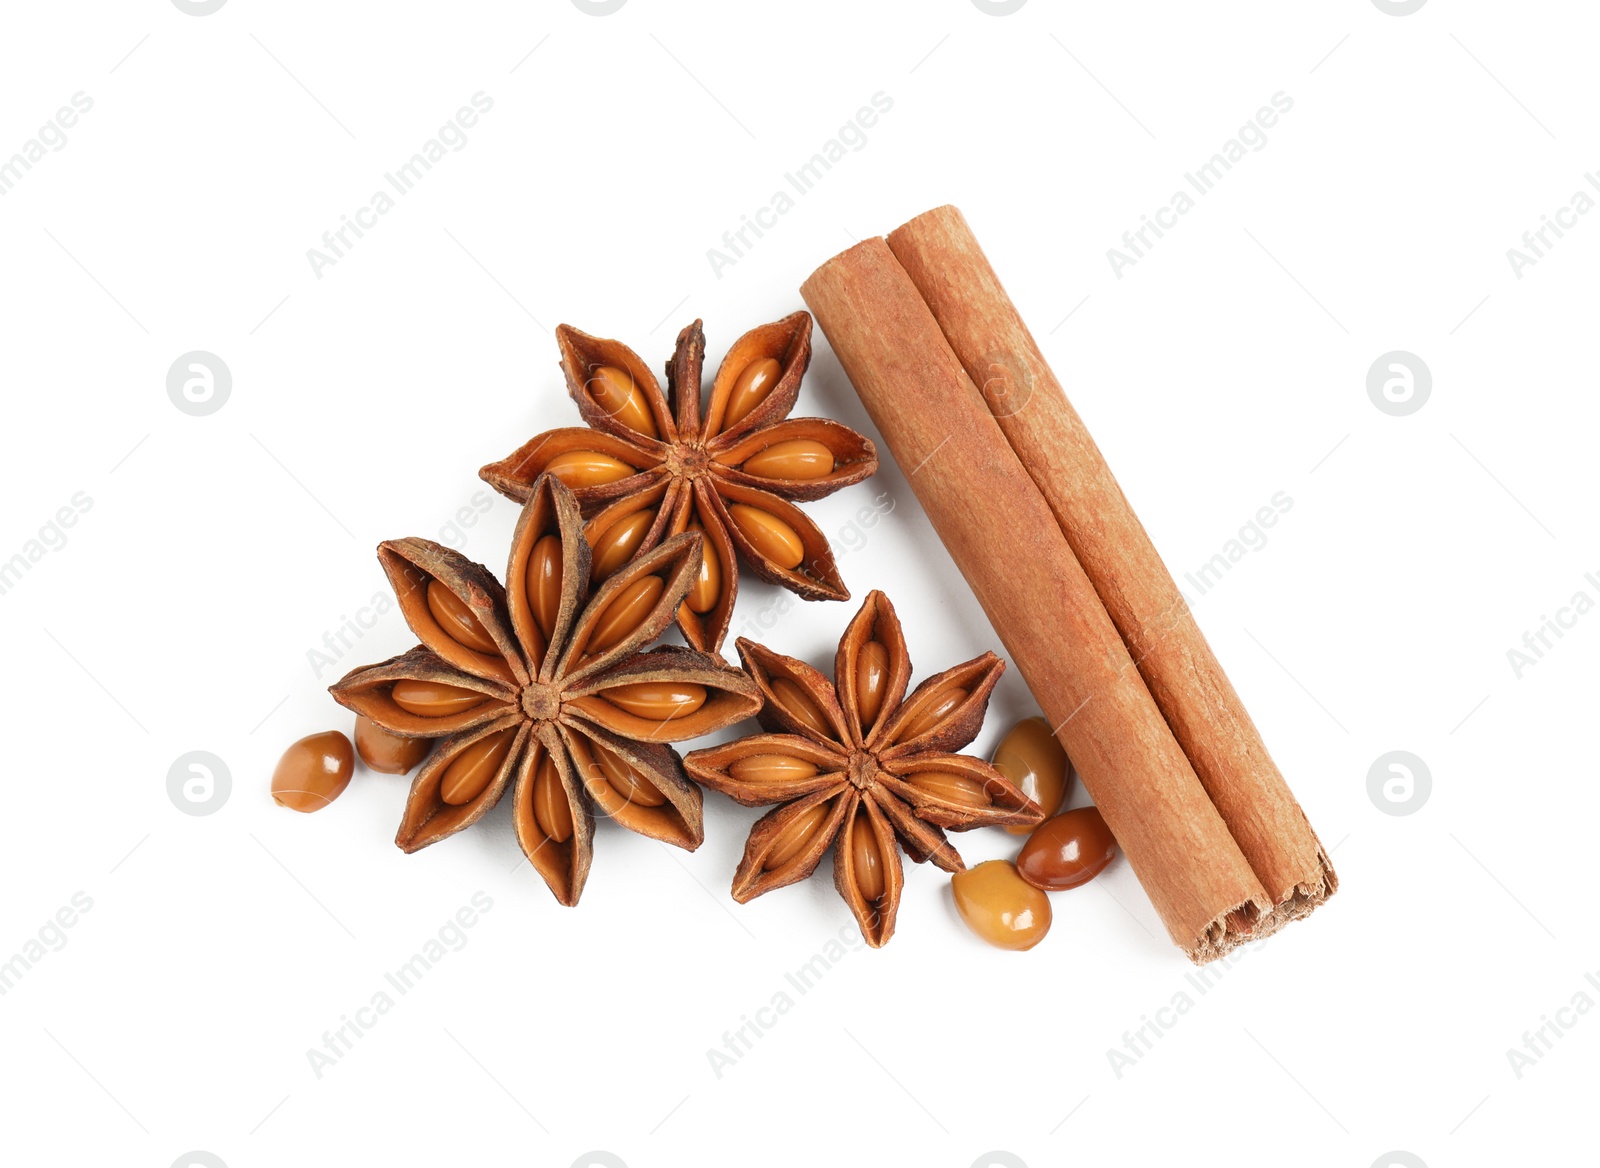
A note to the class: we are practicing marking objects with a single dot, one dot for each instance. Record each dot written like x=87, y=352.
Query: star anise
x=857, y=761
x=545, y=683
x=651, y=466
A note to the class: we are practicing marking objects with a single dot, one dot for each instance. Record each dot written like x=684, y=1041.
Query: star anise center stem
x=687, y=460
x=863, y=770
x=541, y=702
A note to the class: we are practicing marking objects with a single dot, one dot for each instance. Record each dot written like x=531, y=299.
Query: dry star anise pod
x=650, y=466
x=857, y=761
x=544, y=683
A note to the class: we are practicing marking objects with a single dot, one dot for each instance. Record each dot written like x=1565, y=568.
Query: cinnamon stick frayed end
x=1248, y=922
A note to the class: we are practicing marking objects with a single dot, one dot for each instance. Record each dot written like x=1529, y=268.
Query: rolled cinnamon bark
x=1004, y=538
x=982, y=326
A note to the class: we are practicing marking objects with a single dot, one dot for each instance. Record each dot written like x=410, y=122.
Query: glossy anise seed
x=614, y=392
x=771, y=768
x=797, y=460
x=708, y=584
x=951, y=787
x=1000, y=906
x=457, y=620
x=386, y=753
x=433, y=699
x=1030, y=757
x=475, y=768
x=550, y=807
x=932, y=711
x=658, y=700
x=1069, y=850
x=751, y=389
x=313, y=772
x=627, y=782
x=544, y=583
x=615, y=546
x=772, y=538
x=792, y=840
x=587, y=468
x=798, y=704
x=872, y=682
x=866, y=859
x=625, y=613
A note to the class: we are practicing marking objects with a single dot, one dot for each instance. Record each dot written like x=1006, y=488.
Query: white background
x=1227, y=365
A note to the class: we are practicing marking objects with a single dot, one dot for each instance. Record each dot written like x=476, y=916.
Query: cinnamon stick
x=1006, y=542
x=982, y=326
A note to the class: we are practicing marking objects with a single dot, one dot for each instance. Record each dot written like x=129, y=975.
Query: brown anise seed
x=627, y=782
x=587, y=468
x=937, y=707
x=614, y=392
x=457, y=620
x=386, y=753
x=625, y=613
x=544, y=583
x=433, y=699
x=798, y=460
x=951, y=787
x=866, y=857
x=707, y=588
x=751, y=389
x=475, y=768
x=872, y=681
x=313, y=772
x=550, y=807
x=798, y=704
x=1033, y=760
x=615, y=546
x=772, y=538
x=1068, y=850
x=771, y=768
x=791, y=841
x=659, y=700
x=1000, y=906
